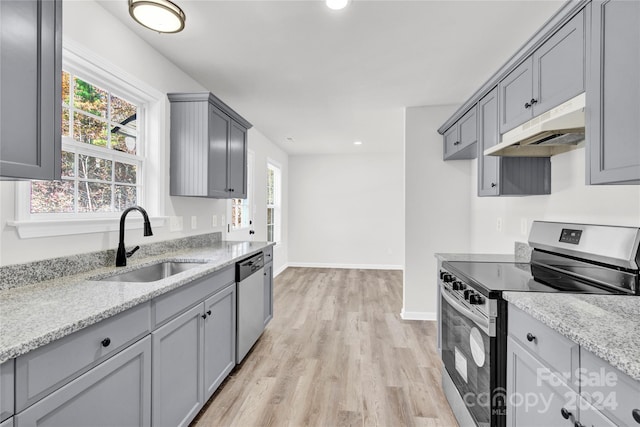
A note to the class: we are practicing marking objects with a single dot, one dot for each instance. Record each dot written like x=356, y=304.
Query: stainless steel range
x=472, y=321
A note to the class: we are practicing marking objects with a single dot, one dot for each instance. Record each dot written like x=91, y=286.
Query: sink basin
x=153, y=273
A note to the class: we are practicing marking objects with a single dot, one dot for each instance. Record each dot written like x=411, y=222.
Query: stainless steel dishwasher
x=250, y=310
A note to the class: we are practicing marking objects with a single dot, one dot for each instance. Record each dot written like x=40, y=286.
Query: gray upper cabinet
x=516, y=91
x=460, y=140
x=208, y=147
x=613, y=93
x=114, y=393
x=31, y=85
x=553, y=74
x=506, y=176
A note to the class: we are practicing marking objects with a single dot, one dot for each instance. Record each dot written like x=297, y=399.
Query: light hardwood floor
x=336, y=354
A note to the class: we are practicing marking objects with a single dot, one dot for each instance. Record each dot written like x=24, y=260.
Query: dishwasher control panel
x=248, y=266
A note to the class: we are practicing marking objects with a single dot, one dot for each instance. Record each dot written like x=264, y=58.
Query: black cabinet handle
x=533, y=101
x=578, y=424
x=565, y=414
x=106, y=342
x=493, y=184
x=204, y=316
x=531, y=338
x=527, y=105
x=636, y=415
x=456, y=143
x=209, y=312
x=252, y=232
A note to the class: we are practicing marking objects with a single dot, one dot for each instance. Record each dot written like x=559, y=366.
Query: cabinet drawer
x=556, y=351
x=168, y=306
x=610, y=391
x=268, y=254
x=47, y=368
x=6, y=389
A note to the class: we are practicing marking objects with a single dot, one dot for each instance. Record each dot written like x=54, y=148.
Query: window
x=102, y=160
x=242, y=209
x=273, y=203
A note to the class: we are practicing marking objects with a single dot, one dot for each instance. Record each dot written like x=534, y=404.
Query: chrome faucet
x=122, y=255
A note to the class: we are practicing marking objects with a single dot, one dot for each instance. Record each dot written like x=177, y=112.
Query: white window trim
x=233, y=233
x=277, y=226
x=84, y=62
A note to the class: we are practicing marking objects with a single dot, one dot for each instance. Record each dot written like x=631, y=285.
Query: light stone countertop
x=37, y=314
x=606, y=325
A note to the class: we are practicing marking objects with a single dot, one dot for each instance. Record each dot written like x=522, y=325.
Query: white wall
x=346, y=210
x=130, y=54
x=437, y=211
x=570, y=200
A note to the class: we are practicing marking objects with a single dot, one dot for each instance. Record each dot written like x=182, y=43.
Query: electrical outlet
x=223, y=220
x=499, y=225
x=194, y=222
x=524, y=225
x=214, y=221
x=176, y=223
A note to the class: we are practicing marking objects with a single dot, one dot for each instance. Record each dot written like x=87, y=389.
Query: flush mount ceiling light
x=157, y=15
x=357, y=142
x=337, y=4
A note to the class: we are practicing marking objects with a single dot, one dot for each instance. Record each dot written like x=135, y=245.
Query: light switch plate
x=214, y=221
x=194, y=222
x=499, y=224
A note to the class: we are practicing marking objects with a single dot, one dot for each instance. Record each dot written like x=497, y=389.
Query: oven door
x=466, y=354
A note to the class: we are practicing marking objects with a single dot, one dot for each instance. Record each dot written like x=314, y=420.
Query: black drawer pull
x=106, y=342
x=209, y=312
x=579, y=424
x=636, y=415
x=531, y=337
x=565, y=414
x=493, y=184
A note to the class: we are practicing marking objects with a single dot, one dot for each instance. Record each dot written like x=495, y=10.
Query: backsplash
x=12, y=276
x=522, y=252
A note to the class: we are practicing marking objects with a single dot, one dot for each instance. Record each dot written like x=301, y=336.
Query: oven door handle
x=480, y=321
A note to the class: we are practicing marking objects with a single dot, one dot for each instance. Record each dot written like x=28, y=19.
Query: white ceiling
x=327, y=78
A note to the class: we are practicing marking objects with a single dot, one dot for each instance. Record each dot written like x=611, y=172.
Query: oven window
x=466, y=356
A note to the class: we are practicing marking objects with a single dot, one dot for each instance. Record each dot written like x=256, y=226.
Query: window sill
x=66, y=227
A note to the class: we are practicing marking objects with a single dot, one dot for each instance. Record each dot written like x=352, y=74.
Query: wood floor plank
x=336, y=353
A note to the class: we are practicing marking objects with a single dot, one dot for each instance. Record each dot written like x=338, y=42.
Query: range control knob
x=468, y=293
x=442, y=273
x=447, y=278
x=476, y=299
x=457, y=285
x=462, y=286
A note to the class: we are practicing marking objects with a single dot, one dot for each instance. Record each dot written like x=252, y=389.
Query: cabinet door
x=488, y=136
x=7, y=423
x=268, y=293
x=219, y=338
x=516, y=91
x=177, y=392
x=6, y=389
x=591, y=417
x=559, y=66
x=114, y=393
x=536, y=396
x=237, y=185
x=219, y=127
x=451, y=141
x=613, y=93
x=31, y=85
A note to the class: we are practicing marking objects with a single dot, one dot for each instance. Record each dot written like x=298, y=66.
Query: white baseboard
x=280, y=270
x=347, y=266
x=417, y=315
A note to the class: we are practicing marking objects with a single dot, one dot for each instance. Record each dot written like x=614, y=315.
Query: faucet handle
x=132, y=251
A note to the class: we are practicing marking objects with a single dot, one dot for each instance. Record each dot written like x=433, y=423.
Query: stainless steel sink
x=154, y=272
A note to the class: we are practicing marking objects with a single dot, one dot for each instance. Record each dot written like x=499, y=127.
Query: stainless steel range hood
x=558, y=130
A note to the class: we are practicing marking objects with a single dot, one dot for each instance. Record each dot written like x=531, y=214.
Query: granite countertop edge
x=88, y=284
x=619, y=347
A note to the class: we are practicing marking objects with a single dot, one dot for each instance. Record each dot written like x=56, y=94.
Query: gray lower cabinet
x=208, y=147
x=535, y=395
x=7, y=423
x=460, y=139
x=6, y=389
x=115, y=393
x=268, y=292
x=177, y=393
x=506, y=176
x=613, y=93
x=554, y=73
x=31, y=85
x=219, y=338
x=192, y=355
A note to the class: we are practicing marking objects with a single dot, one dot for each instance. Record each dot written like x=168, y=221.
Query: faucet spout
x=122, y=254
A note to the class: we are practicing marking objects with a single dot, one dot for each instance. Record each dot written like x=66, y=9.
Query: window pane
x=51, y=196
x=94, y=197
x=269, y=233
x=125, y=173
x=89, y=130
x=125, y=197
x=65, y=122
x=123, y=142
x=94, y=168
x=270, y=214
x=270, y=186
x=65, y=87
x=90, y=98
x=123, y=112
x=67, y=164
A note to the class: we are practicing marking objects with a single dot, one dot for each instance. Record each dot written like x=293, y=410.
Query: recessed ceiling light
x=337, y=4
x=357, y=142
x=157, y=15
